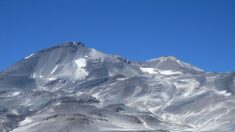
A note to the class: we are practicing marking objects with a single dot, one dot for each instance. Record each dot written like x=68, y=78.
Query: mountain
x=70, y=88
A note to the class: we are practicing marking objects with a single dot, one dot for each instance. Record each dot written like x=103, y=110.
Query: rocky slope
x=70, y=88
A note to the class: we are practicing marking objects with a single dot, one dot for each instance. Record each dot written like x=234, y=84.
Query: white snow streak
x=80, y=71
x=29, y=56
x=54, y=69
x=149, y=70
x=156, y=71
x=51, y=78
x=16, y=93
x=169, y=72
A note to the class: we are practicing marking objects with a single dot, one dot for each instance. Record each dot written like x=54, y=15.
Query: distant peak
x=163, y=58
x=170, y=63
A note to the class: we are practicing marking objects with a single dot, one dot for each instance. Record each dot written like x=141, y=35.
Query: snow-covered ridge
x=163, y=59
x=170, y=63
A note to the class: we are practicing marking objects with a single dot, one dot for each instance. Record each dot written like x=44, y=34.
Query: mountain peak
x=69, y=45
x=66, y=45
x=70, y=87
x=72, y=44
x=164, y=58
x=171, y=63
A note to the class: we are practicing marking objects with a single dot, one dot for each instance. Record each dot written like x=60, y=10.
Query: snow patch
x=80, y=71
x=57, y=104
x=80, y=62
x=96, y=95
x=51, y=78
x=156, y=71
x=29, y=56
x=121, y=79
x=224, y=92
x=149, y=70
x=169, y=72
x=16, y=93
x=26, y=121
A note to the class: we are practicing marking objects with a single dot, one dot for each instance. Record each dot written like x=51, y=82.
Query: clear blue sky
x=200, y=32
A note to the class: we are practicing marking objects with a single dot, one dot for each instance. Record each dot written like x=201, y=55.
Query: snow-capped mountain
x=71, y=88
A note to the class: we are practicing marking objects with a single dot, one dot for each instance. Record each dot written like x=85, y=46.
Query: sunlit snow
x=26, y=121
x=149, y=70
x=29, y=56
x=80, y=70
x=156, y=71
